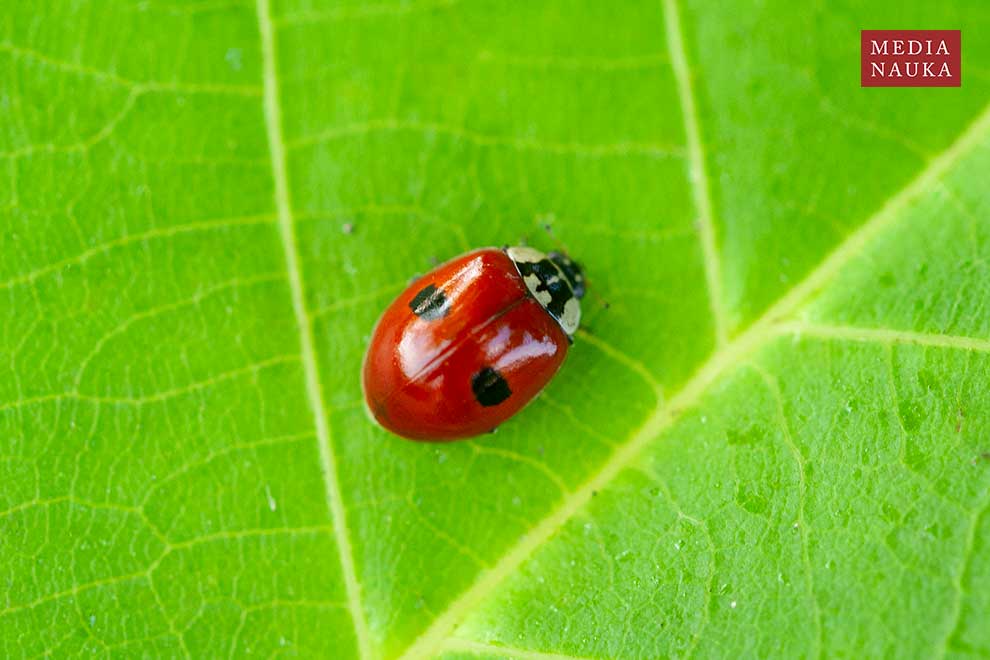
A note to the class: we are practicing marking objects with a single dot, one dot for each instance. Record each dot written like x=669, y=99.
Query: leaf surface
x=772, y=443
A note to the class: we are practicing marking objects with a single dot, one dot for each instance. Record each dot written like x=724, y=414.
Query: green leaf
x=772, y=443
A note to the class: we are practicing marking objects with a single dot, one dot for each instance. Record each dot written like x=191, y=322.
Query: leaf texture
x=772, y=443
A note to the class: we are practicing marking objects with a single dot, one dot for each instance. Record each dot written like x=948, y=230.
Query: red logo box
x=910, y=58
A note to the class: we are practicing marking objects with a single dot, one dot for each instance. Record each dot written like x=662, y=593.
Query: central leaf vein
x=276, y=145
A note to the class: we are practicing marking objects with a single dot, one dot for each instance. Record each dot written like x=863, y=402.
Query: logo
x=910, y=58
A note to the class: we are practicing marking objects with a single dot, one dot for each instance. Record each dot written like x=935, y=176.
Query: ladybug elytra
x=470, y=343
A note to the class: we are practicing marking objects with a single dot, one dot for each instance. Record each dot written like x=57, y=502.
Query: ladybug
x=470, y=343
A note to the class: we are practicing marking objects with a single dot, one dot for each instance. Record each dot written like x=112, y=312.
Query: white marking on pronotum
x=570, y=318
x=526, y=255
x=533, y=283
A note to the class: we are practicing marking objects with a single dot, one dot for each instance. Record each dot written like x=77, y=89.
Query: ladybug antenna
x=559, y=244
x=548, y=228
x=604, y=304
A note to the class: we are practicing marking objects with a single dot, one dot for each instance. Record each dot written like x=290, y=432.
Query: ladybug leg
x=493, y=430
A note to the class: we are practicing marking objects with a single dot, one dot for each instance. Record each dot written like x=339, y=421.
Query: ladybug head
x=571, y=270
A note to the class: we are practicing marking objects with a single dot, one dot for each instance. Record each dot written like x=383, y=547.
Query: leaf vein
x=774, y=386
x=139, y=85
x=959, y=576
x=386, y=10
x=697, y=170
x=488, y=140
x=151, y=234
x=885, y=336
x=335, y=504
x=156, y=397
x=457, y=644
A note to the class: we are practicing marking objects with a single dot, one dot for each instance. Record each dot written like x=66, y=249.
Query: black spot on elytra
x=489, y=388
x=429, y=304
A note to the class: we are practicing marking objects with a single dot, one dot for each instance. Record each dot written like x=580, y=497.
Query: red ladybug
x=467, y=345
